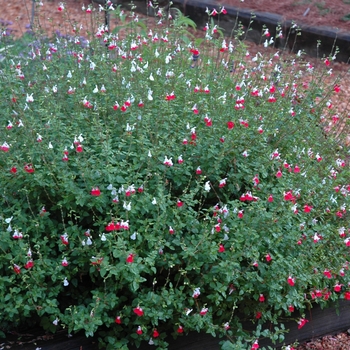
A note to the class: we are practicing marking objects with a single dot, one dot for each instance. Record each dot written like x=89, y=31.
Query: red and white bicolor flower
x=203, y=311
x=255, y=345
x=196, y=293
x=168, y=161
x=222, y=182
x=5, y=147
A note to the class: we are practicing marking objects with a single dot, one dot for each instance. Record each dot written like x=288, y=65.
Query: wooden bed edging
x=331, y=320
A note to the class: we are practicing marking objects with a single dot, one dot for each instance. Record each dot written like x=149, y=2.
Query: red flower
x=139, y=330
x=270, y=199
x=95, y=192
x=79, y=148
x=13, y=170
x=291, y=308
x=29, y=168
x=296, y=169
x=291, y=281
x=288, y=196
x=155, y=334
x=336, y=88
x=179, y=203
x=138, y=311
x=337, y=287
x=110, y=227
x=279, y=173
x=302, y=322
x=258, y=315
x=347, y=295
x=307, y=208
x=130, y=258
x=118, y=320
x=221, y=248
x=230, y=125
x=268, y=257
x=181, y=329
x=327, y=273
x=29, y=264
x=261, y=298
x=208, y=121
x=64, y=262
x=16, y=269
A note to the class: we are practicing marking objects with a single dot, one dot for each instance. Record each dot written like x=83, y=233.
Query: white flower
x=168, y=59
x=88, y=241
x=127, y=206
x=149, y=154
x=188, y=311
x=154, y=201
x=207, y=186
x=8, y=220
x=65, y=282
x=69, y=75
x=95, y=91
x=133, y=236
x=55, y=321
x=50, y=145
x=103, y=237
x=29, y=98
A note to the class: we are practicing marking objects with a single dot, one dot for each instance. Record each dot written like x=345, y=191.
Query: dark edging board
x=331, y=320
x=329, y=37
x=315, y=41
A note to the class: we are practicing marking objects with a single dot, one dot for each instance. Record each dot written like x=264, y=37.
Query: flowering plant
x=153, y=184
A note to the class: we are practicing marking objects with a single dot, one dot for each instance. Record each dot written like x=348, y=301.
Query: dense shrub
x=166, y=184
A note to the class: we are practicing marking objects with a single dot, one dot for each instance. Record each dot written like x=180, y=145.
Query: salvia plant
x=155, y=182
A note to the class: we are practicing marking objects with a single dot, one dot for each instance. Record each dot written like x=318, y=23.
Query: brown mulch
x=312, y=12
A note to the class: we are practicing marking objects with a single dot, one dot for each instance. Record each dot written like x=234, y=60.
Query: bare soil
x=331, y=13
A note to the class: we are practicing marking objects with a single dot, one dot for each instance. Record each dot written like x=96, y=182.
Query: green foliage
x=157, y=186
